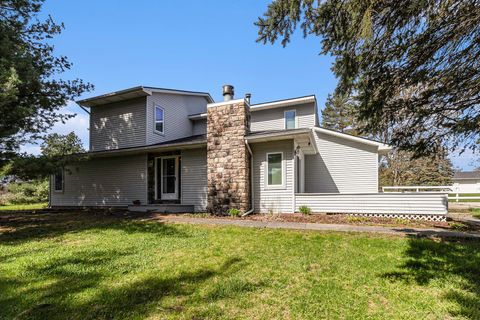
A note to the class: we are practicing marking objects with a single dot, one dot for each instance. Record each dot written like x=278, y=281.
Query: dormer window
x=159, y=119
x=290, y=117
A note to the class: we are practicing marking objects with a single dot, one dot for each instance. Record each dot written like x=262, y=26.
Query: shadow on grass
x=138, y=298
x=444, y=262
x=18, y=228
x=102, y=282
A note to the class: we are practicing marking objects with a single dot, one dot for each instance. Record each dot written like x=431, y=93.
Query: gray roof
x=136, y=92
x=466, y=175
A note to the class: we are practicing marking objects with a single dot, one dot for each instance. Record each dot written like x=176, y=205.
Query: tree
x=339, y=114
x=401, y=168
x=414, y=65
x=57, y=151
x=30, y=91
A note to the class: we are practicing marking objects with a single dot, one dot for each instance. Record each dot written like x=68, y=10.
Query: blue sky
x=191, y=45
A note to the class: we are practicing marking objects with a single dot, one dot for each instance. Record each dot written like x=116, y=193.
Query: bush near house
x=25, y=193
x=305, y=210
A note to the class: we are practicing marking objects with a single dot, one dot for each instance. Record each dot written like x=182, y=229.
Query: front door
x=167, y=183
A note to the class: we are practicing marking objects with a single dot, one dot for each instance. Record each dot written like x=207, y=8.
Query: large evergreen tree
x=415, y=65
x=339, y=114
x=31, y=93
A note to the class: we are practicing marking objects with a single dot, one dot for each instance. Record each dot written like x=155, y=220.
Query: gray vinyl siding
x=273, y=119
x=341, y=166
x=177, y=109
x=199, y=127
x=383, y=203
x=194, y=178
x=108, y=181
x=277, y=200
x=118, y=125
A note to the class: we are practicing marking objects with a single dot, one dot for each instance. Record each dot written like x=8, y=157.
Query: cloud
x=78, y=124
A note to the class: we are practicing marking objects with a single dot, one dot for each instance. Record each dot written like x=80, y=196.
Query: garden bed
x=345, y=219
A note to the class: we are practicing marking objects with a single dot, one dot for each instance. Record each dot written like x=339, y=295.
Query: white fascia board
x=283, y=103
x=381, y=146
x=211, y=105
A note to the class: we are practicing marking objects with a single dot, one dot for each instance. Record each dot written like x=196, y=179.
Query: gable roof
x=283, y=103
x=382, y=147
x=137, y=92
x=466, y=175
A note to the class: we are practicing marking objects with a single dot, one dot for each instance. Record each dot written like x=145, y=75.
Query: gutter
x=251, y=180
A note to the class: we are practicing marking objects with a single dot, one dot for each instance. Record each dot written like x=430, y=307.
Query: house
x=466, y=182
x=175, y=150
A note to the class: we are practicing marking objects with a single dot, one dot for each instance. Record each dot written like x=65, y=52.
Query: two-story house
x=177, y=150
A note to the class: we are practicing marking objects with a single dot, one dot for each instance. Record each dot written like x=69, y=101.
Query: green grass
x=85, y=266
x=475, y=212
x=32, y=206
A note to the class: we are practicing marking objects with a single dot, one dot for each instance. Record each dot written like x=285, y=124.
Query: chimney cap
x=228, y=92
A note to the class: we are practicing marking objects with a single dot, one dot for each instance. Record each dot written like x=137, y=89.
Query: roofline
x=261, y=106
x=121, y=151
x=147, y=90
x=284, y=134
x=284, y=103
x=382, y=147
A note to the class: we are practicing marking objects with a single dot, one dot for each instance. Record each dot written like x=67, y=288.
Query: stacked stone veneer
x=228, y=159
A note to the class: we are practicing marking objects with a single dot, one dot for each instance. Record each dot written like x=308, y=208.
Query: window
x=274, y=169
x=290, y=119
x=159, y=119
x=58, y=181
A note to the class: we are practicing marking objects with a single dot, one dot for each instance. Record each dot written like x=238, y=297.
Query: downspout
x=251, y=180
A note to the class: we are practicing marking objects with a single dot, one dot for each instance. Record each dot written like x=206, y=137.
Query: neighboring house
x=466, y=182
x=180, y=151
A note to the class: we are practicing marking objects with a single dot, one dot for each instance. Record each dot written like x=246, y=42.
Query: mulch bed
x=343, y=219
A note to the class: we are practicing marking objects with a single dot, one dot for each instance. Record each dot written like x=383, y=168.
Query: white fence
x=438, y=189
x=433, y=203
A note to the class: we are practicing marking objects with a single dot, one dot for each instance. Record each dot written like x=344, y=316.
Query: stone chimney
x=228, y=160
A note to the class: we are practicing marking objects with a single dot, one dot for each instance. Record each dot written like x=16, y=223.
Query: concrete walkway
x=431, y=232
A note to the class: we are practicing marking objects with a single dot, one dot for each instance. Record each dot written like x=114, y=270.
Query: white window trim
x=275, y=186
x=285, y=118
x=63, y=182
x=155, y=120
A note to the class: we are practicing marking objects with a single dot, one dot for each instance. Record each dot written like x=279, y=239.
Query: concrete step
x=162, y=208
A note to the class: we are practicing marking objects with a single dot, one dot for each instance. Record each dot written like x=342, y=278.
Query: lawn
x=32, y=206
x=86, y=266
x=475, y=212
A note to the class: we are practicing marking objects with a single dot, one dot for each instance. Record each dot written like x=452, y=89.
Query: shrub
x=234, y=212
x=305, y=210
x=27, y=192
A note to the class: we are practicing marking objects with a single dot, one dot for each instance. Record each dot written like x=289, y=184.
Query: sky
x=189, y=45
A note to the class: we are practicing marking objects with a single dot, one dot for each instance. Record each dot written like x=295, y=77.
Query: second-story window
x=290, y=116
x=159, y=119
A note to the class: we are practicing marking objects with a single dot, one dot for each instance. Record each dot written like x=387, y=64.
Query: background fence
x=452, y=196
